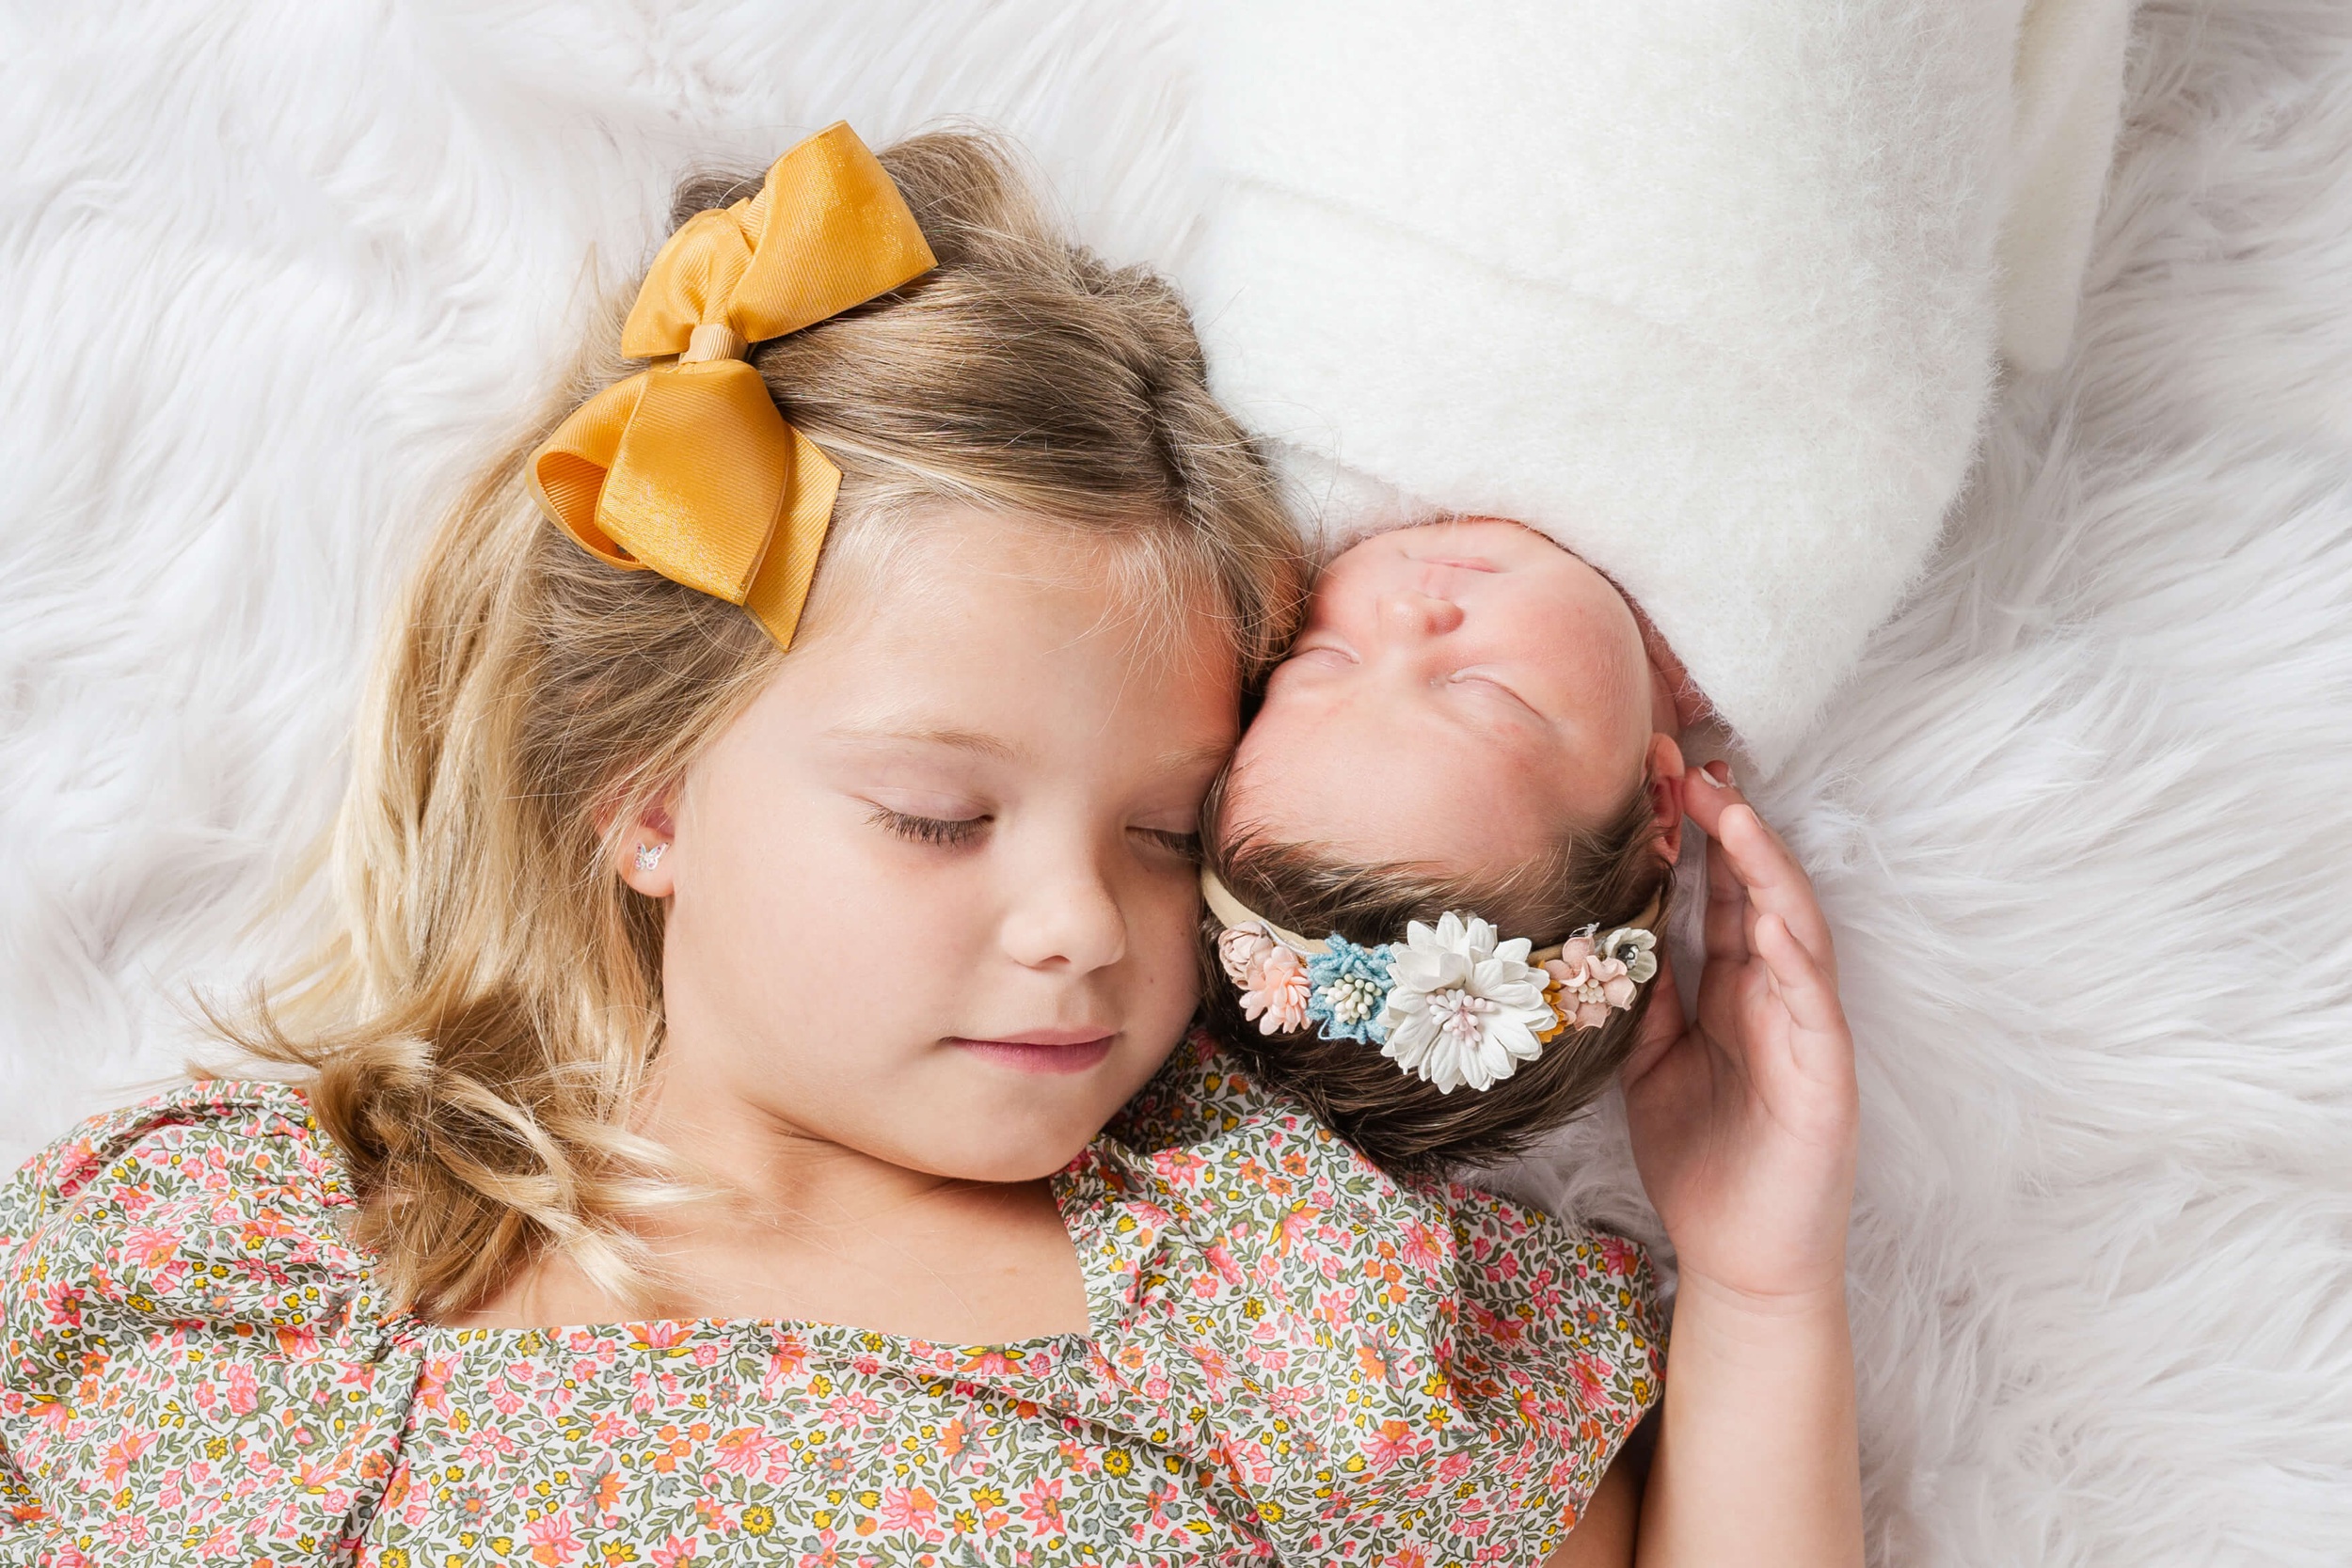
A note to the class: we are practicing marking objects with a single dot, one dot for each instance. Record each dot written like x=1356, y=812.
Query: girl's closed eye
x=1184, y=846
x=945, y=831
x=950, y=831
x=924, y=809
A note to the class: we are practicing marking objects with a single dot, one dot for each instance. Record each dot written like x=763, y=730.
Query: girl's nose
x=1409, y=613
x=1069, y=918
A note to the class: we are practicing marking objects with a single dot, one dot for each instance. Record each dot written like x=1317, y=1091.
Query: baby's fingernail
x=1718, y=773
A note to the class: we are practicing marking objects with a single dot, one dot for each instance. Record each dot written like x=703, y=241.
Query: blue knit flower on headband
x=1348, y=984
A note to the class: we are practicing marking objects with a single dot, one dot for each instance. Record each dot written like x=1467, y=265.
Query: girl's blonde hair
x=476, y=1038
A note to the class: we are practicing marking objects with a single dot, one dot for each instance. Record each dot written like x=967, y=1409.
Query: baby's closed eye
x=1486, y=686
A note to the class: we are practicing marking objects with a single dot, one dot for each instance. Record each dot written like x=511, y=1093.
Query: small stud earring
x=649, y=855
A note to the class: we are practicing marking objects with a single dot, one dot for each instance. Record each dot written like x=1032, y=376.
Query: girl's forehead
x=1147, y=592
x=994, y=611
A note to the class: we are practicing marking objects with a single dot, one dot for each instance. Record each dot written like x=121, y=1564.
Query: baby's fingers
x=1661, y=1025
x=1804, y=987
x=1775, y=884
x=1726, y=908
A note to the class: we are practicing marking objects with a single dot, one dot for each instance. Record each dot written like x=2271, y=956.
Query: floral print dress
x=1291, y=1358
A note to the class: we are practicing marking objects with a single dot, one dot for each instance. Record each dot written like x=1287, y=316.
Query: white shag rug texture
x=272, y=277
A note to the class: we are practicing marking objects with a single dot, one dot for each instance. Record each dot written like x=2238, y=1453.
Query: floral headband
x=688, y=468
x=1449, y=1003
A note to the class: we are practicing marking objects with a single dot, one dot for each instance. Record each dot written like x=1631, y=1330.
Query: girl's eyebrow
x=928, y=735
x=1189, y=757
x=983, y=744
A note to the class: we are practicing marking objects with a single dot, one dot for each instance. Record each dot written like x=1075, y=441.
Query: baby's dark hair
x=1606, y=876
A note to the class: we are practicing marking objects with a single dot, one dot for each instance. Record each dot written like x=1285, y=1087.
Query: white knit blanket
x=1709, y=292
x=272, y=278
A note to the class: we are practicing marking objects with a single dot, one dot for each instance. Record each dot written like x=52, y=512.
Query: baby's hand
x=1745, y=1122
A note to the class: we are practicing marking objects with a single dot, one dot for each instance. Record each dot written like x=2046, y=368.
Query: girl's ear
x=1664, y=769
x=644, y=851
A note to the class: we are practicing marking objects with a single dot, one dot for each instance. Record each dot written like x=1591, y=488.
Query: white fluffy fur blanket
x=1709, y=292
x=272, y=277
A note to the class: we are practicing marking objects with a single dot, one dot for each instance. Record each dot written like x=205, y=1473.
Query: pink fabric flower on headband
x=1591, y=984
x=1238, y=950
x=1276, y=990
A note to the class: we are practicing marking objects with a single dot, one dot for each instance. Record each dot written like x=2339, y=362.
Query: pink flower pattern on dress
x=1293, y=1358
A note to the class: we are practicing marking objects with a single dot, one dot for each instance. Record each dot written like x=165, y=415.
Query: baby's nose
x=1407, y=613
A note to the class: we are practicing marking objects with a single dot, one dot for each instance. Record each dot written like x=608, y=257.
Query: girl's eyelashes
x=943, y=832
x=949, y=832
x=1182, y=846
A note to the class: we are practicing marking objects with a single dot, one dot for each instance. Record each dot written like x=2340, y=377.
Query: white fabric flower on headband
x=1634, y=948
x=1463, y=1008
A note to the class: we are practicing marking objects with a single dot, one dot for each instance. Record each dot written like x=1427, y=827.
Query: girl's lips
x=1048, y=1051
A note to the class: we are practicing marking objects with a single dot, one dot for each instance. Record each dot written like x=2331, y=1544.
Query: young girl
x=1474, y=719
x=748, y=1117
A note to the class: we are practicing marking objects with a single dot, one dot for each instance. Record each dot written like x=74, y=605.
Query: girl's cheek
x=1169, y=970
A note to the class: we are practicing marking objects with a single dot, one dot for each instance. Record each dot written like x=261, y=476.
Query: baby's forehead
x=1395, y=790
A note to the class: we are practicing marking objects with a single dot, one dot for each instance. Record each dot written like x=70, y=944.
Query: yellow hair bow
x=686, y=468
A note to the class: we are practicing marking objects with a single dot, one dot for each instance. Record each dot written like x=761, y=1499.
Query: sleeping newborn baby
x=1472, y=754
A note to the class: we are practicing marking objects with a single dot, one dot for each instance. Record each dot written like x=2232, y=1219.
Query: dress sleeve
x=191, y=1365
x=1379, y=1370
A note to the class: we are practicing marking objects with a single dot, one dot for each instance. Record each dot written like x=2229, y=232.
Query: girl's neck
x=812, y=1231
x=782, y=1178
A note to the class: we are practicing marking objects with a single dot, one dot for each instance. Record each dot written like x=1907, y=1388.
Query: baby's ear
x=1662, y=769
